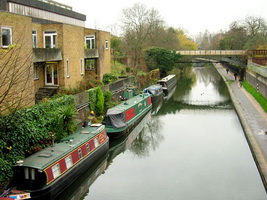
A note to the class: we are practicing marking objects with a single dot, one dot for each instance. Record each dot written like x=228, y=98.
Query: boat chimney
x=53, y=139
x=20, y=162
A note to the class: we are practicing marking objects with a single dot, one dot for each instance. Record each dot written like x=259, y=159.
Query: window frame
x=36, y=71
x=81, y=66
x=34, y=39
x=67, y=68
x=10, y=36
x=92, y=44
x=106, y=44
x=56, y=170
x=53, y=41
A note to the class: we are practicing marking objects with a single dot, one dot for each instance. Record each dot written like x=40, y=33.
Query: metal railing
x=211, y=52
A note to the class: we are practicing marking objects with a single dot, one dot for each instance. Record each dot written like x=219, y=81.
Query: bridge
x=222, y=52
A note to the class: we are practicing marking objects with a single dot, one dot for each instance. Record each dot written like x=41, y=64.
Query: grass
x=258, y=96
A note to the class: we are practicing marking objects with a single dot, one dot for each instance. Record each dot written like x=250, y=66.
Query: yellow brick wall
x=16, y=64
x=73, y=51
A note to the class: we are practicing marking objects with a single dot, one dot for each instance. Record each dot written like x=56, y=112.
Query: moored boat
x=155, y=91
x=121, y=118
x=168, y=83
x=46, y=173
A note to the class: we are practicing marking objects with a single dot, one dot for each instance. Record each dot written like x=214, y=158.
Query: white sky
x=194, y=16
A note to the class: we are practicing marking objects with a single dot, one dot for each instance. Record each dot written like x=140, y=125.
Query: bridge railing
x=211, y=52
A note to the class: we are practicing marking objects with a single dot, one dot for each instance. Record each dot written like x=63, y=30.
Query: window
x=50, y=38
x=32, y=174
x=68, y=161
x=34, y=39
x=80, y=153
x=81, y=66
x=90, y=42
x=56, y=170
x=90, y=64
x=68, y=68
x=87, y=148
x=6, y=33
x=36, y=71
x=96, y=142
x=106, y=44
x=26, y=173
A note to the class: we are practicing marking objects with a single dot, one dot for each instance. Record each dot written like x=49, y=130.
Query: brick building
x=53, y=48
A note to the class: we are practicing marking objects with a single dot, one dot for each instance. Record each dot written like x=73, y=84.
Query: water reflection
x=209, y=88
x=80, y=187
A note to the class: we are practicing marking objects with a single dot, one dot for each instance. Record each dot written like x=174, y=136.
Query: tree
x=162, y=59
x=138, y=23
x=185, y=43
x=235, y=38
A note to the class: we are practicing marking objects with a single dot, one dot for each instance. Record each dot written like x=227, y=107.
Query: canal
x=193, y=148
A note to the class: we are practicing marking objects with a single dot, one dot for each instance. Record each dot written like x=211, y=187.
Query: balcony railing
x=46, y=54
x=91, y=53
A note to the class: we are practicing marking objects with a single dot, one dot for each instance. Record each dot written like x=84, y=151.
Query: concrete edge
x=256, y=151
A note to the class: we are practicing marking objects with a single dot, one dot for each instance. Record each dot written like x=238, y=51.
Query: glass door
x=51, y=74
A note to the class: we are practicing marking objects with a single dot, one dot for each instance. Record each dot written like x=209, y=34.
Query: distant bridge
x=221, y=52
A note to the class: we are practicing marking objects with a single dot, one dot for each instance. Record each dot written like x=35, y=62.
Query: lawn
x=258, y=96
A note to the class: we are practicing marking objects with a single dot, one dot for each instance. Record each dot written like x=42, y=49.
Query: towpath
x=252, y=117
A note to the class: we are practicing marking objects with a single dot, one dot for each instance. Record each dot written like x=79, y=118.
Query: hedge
x=29, y=130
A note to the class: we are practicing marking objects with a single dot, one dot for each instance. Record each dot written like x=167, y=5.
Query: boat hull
x=54, y=189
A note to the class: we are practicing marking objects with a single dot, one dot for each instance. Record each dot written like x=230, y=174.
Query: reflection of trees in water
x=148, y=139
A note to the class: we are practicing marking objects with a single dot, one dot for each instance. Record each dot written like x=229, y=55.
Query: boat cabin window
x=96, y=142
x=80, y=153
x=32, y=174
x=87, y=148
x=56, y=170
x=26, y=173
x=68, y=161
x=106, y=121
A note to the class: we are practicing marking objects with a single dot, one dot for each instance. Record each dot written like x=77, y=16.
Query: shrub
x=28, y=130
x=108, y=78
x=99, y=102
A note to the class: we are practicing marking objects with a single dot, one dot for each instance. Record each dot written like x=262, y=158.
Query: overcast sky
x=194, y=16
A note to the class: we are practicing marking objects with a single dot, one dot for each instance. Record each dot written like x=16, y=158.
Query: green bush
x=108, y=78
x=28, y=130
x=99, y=102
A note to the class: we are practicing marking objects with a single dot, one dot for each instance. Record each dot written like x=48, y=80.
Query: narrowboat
x=46, y=173
x=168, y=83
x=121, y=118
x=155, y=91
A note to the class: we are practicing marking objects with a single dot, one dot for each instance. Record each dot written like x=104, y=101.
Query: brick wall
x=16, y=64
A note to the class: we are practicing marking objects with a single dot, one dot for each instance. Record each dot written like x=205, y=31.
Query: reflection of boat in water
x=156, y=106
x=81, y=186
x=46, y=173
x=156, y=93
x=124, y=143
x=121, y=118
x=168, y=83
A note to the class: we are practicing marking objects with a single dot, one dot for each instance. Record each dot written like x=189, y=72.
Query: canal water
x=193, y=148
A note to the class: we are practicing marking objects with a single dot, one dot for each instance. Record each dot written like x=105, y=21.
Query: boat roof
x=167, y=78
x=49, y=155
x=125, y=105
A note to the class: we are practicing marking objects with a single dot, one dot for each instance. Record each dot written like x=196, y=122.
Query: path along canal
x=193, y=148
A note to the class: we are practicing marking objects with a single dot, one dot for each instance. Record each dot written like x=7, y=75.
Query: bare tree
x=138, y=23
x=16, y=71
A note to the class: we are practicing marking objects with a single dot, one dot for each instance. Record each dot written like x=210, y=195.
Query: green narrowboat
x=121, y=118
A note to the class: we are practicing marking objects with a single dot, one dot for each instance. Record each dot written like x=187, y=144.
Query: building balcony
x=46, y=54
x=91, y=53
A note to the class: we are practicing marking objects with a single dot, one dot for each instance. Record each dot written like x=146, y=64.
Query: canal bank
x=252, y=118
